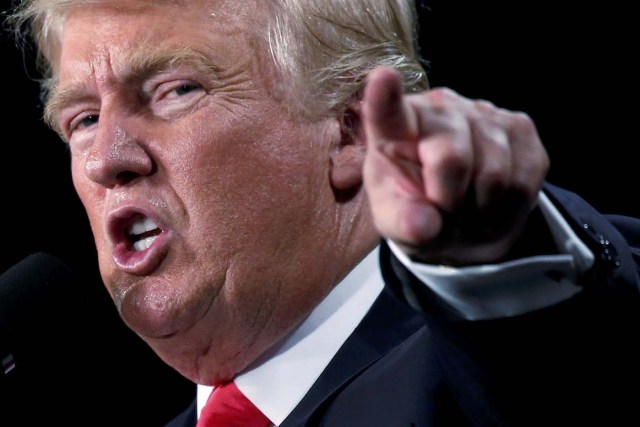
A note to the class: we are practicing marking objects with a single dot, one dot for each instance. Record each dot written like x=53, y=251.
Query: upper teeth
x=142, y=226
x=138, y=228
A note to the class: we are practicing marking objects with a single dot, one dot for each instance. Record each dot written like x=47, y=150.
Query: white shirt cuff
x=514, y=287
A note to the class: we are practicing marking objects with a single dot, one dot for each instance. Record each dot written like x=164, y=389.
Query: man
x=239, y=162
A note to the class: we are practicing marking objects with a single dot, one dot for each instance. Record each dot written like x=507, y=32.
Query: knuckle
x=494, y=136
x=485, y=107
x=522, y=122
x=441, y=96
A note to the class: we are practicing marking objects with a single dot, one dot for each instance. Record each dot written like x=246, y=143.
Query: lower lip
x=144, y=262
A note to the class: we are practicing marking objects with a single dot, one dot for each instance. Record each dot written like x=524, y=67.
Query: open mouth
x=142, y=233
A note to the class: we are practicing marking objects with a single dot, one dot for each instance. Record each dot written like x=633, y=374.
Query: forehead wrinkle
x=144, y=61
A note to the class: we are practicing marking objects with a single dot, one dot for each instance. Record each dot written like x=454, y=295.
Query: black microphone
x=25, y=291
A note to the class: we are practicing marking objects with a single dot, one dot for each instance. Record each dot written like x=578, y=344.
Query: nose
x=118, y=154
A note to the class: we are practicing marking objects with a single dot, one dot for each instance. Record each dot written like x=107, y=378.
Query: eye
x=179, y=90
x=83, y=121
x=169, y=95
x=88, y=120
x=185, y=89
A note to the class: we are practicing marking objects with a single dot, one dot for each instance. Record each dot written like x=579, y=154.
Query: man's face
x=211, y=208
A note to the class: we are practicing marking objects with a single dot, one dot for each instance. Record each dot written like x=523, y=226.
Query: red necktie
x=228, y=407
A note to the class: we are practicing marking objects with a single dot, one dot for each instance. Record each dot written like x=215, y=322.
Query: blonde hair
x=322, y=50
x=325, y=49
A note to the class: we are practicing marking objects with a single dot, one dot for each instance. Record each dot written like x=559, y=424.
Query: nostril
x=126, y=176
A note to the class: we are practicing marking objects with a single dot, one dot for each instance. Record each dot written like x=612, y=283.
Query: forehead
x=221, y=8
x=114, y=27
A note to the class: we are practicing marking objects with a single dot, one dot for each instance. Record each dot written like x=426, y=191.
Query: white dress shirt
x=278, y=381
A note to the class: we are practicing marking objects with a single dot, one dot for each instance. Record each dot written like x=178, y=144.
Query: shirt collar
x=277, y=384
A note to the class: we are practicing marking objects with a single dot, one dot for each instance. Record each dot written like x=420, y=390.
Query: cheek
x=251, y=193
x=234, y=165
x=86, y=190
x=92, y=198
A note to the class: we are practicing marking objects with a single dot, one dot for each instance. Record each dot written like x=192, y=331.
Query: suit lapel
x=388, y=323
x=186, y=418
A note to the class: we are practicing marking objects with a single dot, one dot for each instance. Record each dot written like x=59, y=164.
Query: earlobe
x=346, y=167
x=347, y=158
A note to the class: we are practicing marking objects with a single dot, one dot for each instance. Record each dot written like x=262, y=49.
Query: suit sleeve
x=570, y=363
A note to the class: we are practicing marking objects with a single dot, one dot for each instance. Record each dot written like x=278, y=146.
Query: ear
x=347, y=158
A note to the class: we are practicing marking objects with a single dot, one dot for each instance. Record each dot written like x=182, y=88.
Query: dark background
x=571, y=68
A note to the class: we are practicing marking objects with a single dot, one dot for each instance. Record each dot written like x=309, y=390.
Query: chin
x=156, y=310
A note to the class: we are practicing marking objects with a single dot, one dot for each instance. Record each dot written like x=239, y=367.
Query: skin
x=245, y=197
x=251, y=202
x=451, y=180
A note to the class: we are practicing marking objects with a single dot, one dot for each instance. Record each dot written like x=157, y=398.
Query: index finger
x=386, y=118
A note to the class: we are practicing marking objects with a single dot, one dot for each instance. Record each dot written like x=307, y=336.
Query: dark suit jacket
x=572, y=364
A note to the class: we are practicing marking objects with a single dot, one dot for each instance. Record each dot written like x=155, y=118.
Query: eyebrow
x=139, y=63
